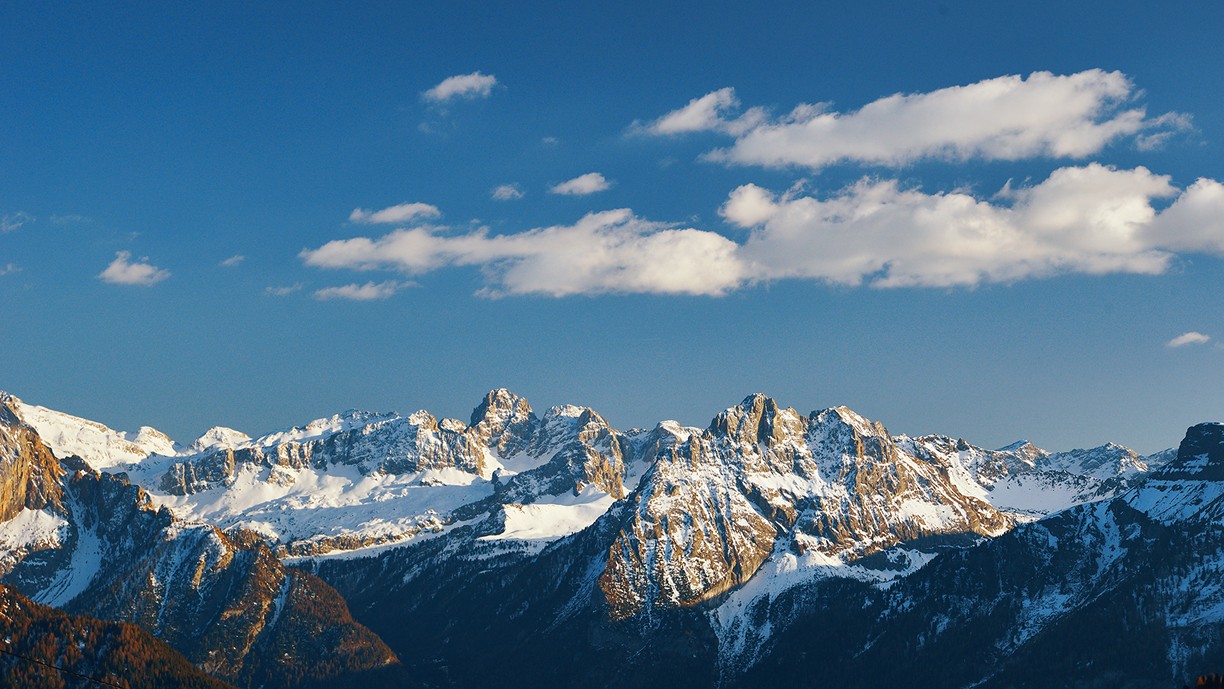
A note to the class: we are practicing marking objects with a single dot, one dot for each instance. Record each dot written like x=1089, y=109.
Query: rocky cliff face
x=1120, y=592
x=29, y=473
x=222, y=599
x=762, y=479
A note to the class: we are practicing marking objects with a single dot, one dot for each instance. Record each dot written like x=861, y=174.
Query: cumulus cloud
x=370, y=291
x=283, y=291
x=507, y=192
x=469, y=86
x=1190, y=338
x=1005, y=118
x=14, y=221
x=402, y=213
x=582, y=185
x=611, y=251
x=124, y=271
x=233, y=261
x=1089, y=220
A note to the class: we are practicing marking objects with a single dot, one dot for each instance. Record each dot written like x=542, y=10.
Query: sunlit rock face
x=716, y=506
x=96, y=544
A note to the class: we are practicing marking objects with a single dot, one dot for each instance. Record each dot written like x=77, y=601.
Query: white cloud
x=14, y=221
x=611, y=251
x=123, y=271
x=404, y=212
x=1089, y=220
x=507, y=192
x=582, y=185
x=1005, y=118
x=233, y=261
x=9, y=269
x=707, y=113
x=1190, y=338
x=474, y=85
x=370, y=291
x=283, y=291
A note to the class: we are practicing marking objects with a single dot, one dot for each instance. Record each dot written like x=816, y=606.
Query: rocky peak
x=423, y=419
x=504, y=420
x=840, y=432
x=1106, y=461
x=1200, y=455
x=1203, y=439
x=1026, y=452
x=757, y=419
x=499, y=406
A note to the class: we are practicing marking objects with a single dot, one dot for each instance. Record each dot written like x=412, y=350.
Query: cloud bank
x=124, y=271
x=610, y=251
x=1086, y=220
x=1005, y=118
x=468, y=86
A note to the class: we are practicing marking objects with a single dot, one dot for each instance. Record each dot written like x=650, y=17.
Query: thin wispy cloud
x=124, y=271
x=233, y=261
x=1005, y=118
x=462, y=86
x=507, y=192
x=283, y=291
x=370, y=291
x=69, y=219
x=15, y=221
x=402, y=213
x=581, y=185
x=1190, y=338
x=1090, y=220
x=9, y=269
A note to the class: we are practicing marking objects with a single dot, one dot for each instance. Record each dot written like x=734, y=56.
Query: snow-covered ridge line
x=358, y=479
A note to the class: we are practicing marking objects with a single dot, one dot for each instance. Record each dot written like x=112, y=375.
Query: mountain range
x=552, y=550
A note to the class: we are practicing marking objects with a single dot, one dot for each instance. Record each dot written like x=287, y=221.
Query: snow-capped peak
x=321, y=428
x=1106, y=461
x=219, y=438
x=103, y=447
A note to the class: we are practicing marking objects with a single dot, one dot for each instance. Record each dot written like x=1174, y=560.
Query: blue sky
x=1004, y=250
